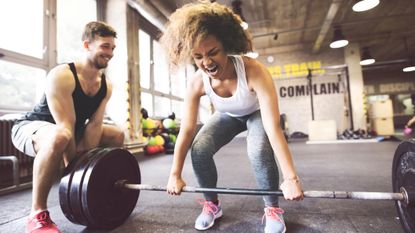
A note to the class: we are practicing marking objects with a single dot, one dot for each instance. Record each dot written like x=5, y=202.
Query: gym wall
x=289, y=71
x=391, y=81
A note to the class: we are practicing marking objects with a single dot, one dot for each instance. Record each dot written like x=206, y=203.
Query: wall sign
x=304, y=90
x=390, y=88
x=295, y=69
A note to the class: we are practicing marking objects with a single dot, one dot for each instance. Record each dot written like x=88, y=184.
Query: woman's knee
x=201, y=149
x=259, y=148
x=201, y=144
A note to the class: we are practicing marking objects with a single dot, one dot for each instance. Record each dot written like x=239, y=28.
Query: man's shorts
x=22, y=133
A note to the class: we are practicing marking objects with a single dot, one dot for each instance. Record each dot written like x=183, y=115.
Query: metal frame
x=16, y=176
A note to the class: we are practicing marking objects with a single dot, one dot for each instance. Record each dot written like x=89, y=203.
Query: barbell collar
x=409, y=195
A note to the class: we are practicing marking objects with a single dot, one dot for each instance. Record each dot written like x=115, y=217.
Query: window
x=161, y=92
x=29, y=47
x=23, y=66
x=403, y=104
x=16, y=85
x=144, y=43
x=161, y=106
x=72, y=16
x=161, y=70
x=177, y=108
x=147, y=102
x=178, y=83
x=21, y=20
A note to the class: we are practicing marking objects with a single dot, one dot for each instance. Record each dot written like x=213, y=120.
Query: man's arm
x=59, y=87
x=93, y=130
x=410, y=122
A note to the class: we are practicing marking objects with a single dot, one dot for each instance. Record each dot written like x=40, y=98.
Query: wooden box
x=383, y=126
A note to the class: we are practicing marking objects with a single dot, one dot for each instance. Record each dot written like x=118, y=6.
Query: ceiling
x=307, y=25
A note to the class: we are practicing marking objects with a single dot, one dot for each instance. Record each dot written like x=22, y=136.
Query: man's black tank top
x=85, y=106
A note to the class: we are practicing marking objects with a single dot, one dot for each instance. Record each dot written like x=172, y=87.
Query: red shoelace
x=208, y=207
x=42, y=219
x=272, y=212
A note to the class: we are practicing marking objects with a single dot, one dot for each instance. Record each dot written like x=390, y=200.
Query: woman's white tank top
x=242, y=103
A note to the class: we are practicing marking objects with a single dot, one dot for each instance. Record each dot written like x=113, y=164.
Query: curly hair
x=97, y=28
x=193, y=22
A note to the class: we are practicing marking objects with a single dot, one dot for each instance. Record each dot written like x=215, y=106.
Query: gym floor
x=342, y=167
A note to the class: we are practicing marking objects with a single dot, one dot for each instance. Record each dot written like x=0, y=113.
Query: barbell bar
x=402, y=196
x=101, y=188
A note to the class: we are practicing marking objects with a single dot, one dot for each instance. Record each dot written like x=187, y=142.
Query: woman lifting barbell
x=242, y=91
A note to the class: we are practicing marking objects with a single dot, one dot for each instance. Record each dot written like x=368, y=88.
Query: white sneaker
x=274, y=221
x=206, y=219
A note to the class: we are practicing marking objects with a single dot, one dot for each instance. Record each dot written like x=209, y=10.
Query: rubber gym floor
x=350, y=167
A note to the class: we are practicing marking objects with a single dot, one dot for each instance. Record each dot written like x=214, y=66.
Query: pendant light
x=236, y=7
x=366, y=57
x=410, y=64
x=338, y=39
x=364, y=5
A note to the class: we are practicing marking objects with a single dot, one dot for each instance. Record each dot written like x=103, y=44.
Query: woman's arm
x=260, y=81
x=187, y=130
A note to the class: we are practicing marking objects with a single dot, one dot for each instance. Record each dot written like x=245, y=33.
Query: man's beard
x=100, y=65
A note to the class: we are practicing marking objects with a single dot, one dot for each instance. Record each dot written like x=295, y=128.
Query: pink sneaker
x=274, y=221
x=41, y=223
x=210, y=212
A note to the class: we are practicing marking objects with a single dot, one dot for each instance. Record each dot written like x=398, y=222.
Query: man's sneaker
x=210, y=212
x=274, y=221
x=41, y=223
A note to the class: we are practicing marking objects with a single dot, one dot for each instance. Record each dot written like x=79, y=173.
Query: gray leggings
x=220, y=130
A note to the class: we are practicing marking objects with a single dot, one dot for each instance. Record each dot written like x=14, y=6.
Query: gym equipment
x=101, y=188
x=169, y=123
x=403, y=176
x=407, y=131
x=87, y=194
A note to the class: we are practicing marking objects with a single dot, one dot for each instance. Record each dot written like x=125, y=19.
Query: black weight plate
x=65, y=187
x=106, y=206
x=74, y=199
x=76, y=187
x=403, y=175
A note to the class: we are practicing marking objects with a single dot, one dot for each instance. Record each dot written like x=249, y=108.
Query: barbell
x=101, y=188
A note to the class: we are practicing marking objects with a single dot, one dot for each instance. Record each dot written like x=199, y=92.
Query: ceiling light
x=236, y=8
x=364, y=5
x=252, y=54
x=366, y=58
x=409, y=68
x=338, y=39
